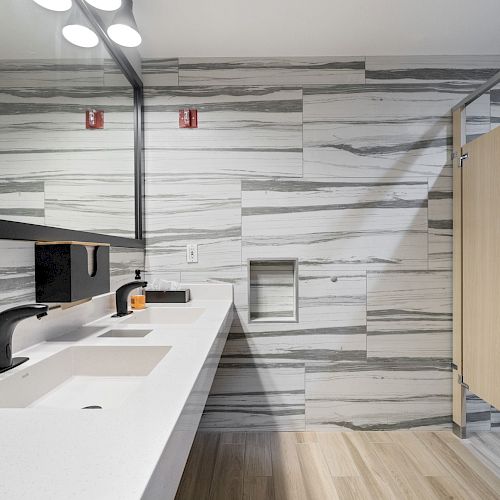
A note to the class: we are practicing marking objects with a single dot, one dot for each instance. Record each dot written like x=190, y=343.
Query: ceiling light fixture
x=57, y=5
x=78, y=32
x=123, y=29
x=108, y=5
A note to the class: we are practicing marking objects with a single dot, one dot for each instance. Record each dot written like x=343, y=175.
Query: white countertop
x=107, y=454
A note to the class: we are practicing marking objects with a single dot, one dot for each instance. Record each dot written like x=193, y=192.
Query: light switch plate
x=192, y=252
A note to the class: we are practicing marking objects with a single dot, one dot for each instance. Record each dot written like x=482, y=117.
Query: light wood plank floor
x=335, y=465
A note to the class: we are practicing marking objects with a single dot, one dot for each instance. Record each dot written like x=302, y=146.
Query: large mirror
x=55, y=170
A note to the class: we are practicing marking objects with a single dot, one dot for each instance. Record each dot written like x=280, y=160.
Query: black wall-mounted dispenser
x=67, y=271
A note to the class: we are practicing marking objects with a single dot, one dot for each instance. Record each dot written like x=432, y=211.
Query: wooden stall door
x=481, y=266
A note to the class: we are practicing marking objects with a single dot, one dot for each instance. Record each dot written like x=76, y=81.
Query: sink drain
x=92, y=407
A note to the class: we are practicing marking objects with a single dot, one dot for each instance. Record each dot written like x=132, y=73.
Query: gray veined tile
x=256, y=399
x=331, y=324
x=242, y=132
x=57, y=165
x=495, y=419
x=123, y=262
x=259, y=379
x=160, y=72
x=467, y=70
x=409, y=314
x=283, y=71
x=179, y=212
x=332, y=319
x=478, y=413
x=22, y=202
x=286, y=348
x=64, y=175
x=440, y=223
x=332, y=315
x=234, y=277
x=50, y=73
x=344, y=224
x=378, y=131
x=371, y=415
x=45, y=120
x=17, y=273
x=335, y=299
x=107, y=191
x=477, y=117
x=224, y=163
x=495, y=107
x=113, y=75
x=100, y=206
x=150, y=277
x=379, y=394
x=45, y=141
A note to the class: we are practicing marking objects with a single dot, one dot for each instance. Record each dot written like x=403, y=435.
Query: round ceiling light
x=123, y=29
x=57, y=5
x=124, y=35
x=80, y=35
x=77, y=30
x=105, y=4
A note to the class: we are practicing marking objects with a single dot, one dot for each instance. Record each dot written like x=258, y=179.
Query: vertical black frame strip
x=139, y=162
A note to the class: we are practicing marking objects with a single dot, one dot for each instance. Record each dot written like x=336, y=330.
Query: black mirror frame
x=10, y=230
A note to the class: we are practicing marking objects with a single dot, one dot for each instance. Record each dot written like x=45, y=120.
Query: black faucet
x=122, y=297
x=8, y=322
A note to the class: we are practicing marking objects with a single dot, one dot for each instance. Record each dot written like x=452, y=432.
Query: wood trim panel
x=459, y=414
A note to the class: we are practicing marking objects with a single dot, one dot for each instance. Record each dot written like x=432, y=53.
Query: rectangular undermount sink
x=81, y=377
x=126, y=333
x=166, y=315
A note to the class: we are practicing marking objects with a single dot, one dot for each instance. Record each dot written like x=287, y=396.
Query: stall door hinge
x=462, y=159
x=462, y=383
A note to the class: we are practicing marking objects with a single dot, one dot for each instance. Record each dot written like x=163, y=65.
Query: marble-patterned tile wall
x=243, y=132
x=378, y=130
x=22, y=201
x=54, y=171
x=353, y=223
x=343, y=163
x=181, y=210
x=495, y=107
x=271, y=71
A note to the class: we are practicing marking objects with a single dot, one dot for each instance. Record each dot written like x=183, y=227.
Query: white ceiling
x=183, y=28
x=28, y=31
x=173, y=28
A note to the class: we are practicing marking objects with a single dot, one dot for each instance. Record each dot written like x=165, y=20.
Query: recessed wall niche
x=272, y=290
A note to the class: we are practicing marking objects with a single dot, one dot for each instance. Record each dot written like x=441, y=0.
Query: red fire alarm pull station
x=188, y=118
x=94, y=119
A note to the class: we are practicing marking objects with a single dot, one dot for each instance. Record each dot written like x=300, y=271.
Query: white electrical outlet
x=192, y=252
